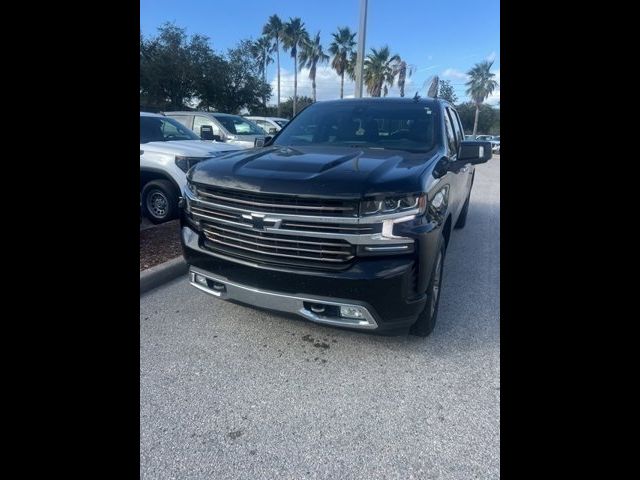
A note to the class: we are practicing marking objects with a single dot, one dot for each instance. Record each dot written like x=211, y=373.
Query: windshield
x=238, y=125
x=397, y=126
x=164, y=129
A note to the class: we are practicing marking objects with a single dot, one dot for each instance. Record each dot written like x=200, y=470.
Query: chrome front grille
x=268, y=230
x=284, y=204
x=265, y=245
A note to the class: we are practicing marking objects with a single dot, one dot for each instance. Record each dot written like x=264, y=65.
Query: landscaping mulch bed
x=159, y=244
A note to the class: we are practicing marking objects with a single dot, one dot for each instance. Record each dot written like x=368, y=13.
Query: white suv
x=167, y=151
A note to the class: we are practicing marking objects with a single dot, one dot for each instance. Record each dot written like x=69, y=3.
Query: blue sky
x=443, y=37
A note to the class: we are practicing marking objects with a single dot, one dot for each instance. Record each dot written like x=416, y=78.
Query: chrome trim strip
x=386, y=249
x=327, y=244
x=299, y=257
x=282, y=302
x=310, y=218
x=318, y=250
x=274, y=205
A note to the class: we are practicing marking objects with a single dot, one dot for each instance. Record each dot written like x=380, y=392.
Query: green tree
x=301, y=102
x=342, y=49
x=488, y=118
x=311, y=54
x=480, y=85
x=379, y=70
x=294, y=37
x=242, y=86
x=274, y=30
x=166, y=68
x=446, y=92
x=262, y=49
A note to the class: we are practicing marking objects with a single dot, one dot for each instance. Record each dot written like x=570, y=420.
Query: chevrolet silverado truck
x=343, y=217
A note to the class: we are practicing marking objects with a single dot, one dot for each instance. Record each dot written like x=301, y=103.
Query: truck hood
x=318, y=171
x=188, y=148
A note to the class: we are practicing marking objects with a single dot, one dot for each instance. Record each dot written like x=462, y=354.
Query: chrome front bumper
x=309, y=308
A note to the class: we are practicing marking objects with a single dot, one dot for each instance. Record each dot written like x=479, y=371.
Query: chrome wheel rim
x=157, y=204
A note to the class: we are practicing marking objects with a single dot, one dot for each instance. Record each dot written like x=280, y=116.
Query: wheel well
x=147, y=176
x=446, y=231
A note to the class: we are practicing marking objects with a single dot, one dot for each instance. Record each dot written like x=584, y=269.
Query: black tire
x=160, y=201
x=462, y=218
x=427, y=318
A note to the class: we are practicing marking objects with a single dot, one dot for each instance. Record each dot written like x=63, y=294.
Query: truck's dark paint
x=392, y=286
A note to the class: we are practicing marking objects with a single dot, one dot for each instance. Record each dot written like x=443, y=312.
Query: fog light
x=351, y=312
x=201, y=280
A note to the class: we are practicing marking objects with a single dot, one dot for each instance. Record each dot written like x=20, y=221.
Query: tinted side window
x=451, y=138
x=456, y=127
x=200, y=120
x=456, y=116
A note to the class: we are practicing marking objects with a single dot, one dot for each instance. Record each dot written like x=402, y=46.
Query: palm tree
x=480, y=85
x=342, y=49
x=379, y=70
x=262, y=49
x=295, y=35
x=351, y=65
x=402, y=70
x=274, y=30
x=311, y=54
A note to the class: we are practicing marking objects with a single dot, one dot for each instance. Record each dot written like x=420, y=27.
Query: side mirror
x=474, y=152
x=206, y=132
x=267, y=140
x=272, y=130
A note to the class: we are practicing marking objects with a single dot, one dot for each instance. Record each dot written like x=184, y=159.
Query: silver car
x=270, y=125
x=232, y=129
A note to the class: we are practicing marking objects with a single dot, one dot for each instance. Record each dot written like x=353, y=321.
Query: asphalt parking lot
x=231, y=392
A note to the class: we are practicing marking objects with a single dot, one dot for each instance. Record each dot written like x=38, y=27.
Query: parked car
x=167, y=150
x=270, y=125
x=344, y=218
x=230, y=129
x=494, y=139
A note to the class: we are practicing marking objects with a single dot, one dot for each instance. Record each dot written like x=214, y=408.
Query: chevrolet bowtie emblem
x=260, y=221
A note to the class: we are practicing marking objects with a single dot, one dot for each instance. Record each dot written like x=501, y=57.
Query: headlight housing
x=391, y=205
x=185, y=163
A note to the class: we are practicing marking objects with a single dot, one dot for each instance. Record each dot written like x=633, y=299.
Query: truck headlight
x=396, y=204
x=185, y=163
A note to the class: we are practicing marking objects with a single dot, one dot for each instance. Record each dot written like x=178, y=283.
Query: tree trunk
x=475, y=122
x=295, y=84
x=264, y=80
x=278, y=56
x=341, y=84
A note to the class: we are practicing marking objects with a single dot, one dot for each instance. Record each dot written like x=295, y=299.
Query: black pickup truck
x=343, y=217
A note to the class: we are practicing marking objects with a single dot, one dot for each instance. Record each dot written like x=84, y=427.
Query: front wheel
x=427, y=318
x=160, y=201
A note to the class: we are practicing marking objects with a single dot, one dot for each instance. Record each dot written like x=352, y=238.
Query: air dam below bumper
x=380, y=289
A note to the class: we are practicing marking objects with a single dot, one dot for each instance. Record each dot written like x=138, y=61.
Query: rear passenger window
x=451, y=139
x=201, y=120
x=184, y=120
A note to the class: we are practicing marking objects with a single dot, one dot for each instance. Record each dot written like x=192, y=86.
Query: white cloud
x=454, y=74
x=327, y=85
x=492, y=56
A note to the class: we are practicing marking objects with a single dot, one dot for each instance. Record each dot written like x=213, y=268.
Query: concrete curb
x=155, y=276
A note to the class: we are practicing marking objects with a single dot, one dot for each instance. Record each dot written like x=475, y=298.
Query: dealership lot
x=228, y=391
